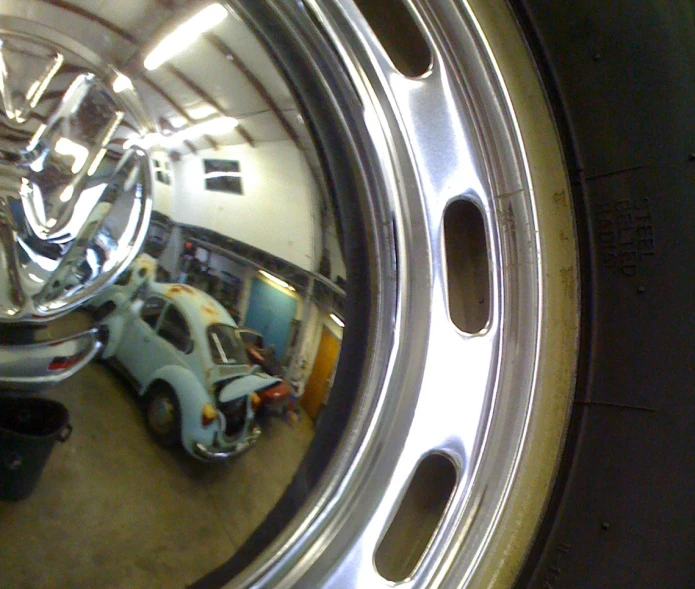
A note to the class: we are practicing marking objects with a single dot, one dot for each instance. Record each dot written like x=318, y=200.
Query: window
x=225, y=344
x=175, y=330
x=151, y=310
x=162, y=172
x=223, y=176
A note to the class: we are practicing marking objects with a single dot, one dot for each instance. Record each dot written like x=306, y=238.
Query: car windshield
x=225, y=344
x=251, y=338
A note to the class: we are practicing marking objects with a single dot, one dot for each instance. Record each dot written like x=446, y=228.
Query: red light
x=64, y=362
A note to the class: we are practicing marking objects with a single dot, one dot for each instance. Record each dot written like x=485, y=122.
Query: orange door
x=317, y=386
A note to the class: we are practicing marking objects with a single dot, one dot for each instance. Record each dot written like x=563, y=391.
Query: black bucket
x=29, y=426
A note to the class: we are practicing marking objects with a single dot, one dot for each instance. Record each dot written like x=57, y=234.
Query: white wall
x=162, y=193
x=275, y=213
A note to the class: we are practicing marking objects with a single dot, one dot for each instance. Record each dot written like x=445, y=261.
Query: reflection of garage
x=291, y=308
x=244, y=215
x=115, y=510
x=271, y=312
x=318, y=385
x=112, y=504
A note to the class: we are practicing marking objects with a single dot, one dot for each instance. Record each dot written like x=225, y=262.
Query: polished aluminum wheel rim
x=450, y=134
x=494, y=400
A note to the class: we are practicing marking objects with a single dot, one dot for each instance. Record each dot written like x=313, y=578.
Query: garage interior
x=240, y=211
x=114, y=509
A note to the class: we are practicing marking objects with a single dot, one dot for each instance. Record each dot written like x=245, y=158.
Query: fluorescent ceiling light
x=121, y=83
x=199, y=113
x=276, y=280
x=79, y=153
x=149, y=140
x=337, y=319
x=184, y=35
x=177, y=122
x=216, y=126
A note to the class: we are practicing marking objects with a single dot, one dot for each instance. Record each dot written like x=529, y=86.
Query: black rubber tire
x=620, y=79
x=158, y=390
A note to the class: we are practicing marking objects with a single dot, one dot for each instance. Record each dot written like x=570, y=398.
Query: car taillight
x=209, y=415
x=64, y=362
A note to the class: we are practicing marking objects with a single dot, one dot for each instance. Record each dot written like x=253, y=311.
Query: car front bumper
x=215, y=453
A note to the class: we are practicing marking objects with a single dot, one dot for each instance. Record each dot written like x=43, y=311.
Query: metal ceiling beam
x=228, y=53
x=212, y=142
x=245, y=134
x=168, y=99
x=76, y=10
x=180, y=110
x=191, y=85
x=134, y=64
x=195, y=88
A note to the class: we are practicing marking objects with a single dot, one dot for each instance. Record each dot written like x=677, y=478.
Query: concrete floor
x=115, y=511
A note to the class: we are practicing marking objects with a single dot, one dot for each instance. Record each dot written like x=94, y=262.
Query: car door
x=135, y=351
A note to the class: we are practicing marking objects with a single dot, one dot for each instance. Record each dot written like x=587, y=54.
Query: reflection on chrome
x=75, y=205
x=189, y=147
x=165, y=209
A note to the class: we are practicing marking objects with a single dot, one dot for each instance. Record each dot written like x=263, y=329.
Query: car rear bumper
x=215, y=453
x=39, y=365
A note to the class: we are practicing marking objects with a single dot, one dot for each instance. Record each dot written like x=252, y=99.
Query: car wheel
x=512, y=405
x=163, y=414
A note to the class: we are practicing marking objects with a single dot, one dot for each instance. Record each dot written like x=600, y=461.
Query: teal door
x=270, y=313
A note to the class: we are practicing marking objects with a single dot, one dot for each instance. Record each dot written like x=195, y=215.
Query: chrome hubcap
x=470, y=254
x=67, y=226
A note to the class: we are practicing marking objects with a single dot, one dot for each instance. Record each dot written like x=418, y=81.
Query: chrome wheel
x=439, y=162
x=473, y=338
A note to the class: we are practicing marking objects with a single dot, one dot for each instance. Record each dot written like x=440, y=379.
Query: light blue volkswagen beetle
x=184, y=352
